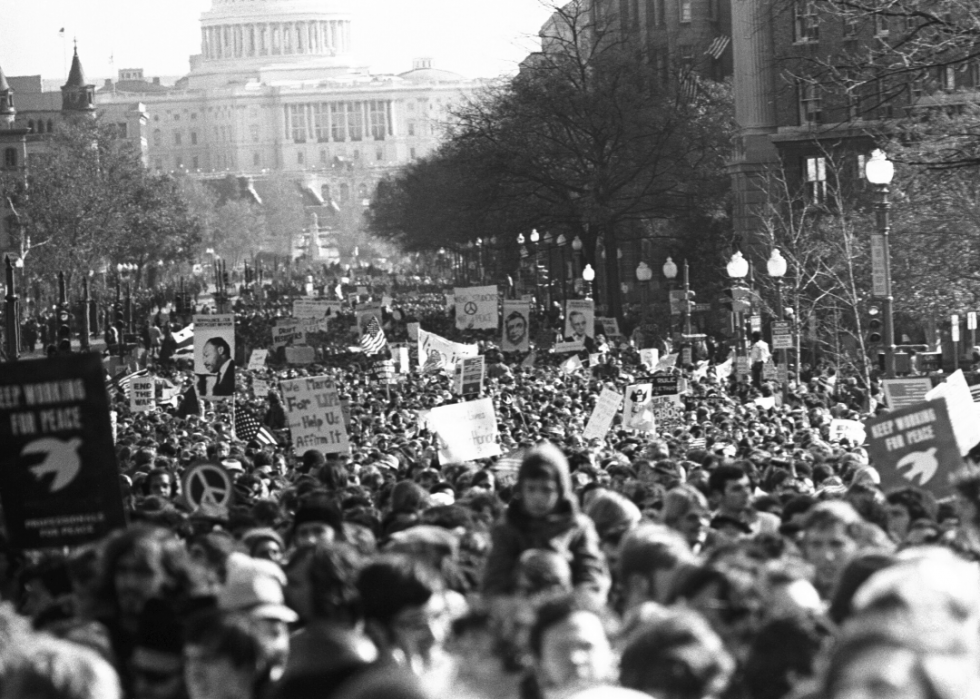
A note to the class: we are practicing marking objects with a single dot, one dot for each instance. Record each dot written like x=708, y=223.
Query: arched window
x=325, y=192
x=362, y=191
x=30, y=125
x=344, y=193
x=40, y=126
x=50, y=126
x=10, y=157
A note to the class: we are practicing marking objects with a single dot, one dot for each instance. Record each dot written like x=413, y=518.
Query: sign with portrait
x=517, y=324
x=214, y=352
x=579, y=320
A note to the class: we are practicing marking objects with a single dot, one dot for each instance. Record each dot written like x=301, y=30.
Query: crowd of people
x=734, y=552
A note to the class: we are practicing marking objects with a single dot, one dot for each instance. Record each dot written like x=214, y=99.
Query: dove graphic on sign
x=923, y=463
x=61, y=459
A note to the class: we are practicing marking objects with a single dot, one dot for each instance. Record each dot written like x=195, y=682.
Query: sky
x=477, y=38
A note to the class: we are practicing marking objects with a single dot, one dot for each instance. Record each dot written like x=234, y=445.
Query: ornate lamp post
x=670, y=274
x=880, y=172
x=12, y=314
x=738, y=269
x=776, y=266
x=588, y=276
x=561, y=241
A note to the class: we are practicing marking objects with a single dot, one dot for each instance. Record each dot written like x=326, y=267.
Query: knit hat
x=546, y=458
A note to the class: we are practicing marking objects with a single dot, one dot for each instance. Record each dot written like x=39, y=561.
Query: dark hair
x=919, y=503
x=333, y=572
x=221, y=344
x=556, y=610
x=237, y=638
x=719, y=478
x=392, y=582
x=782, y=646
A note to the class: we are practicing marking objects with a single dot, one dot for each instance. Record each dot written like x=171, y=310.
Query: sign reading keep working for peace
x=59, y=482
x=914, y=446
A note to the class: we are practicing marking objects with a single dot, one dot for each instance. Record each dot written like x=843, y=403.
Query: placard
x=914, y=445
x=782, y=335
x=142, y=394
x=469, y=376
x=851, y=430
x=579, y=320
x=260, y=388
x=449, y=352
x=364, y=313
x=608, y=327
x=638, y=408
x=316, y=420
x=401, y=359
x=649, y=358
x=208, y=484
x=665, y=385
x=59, y=483
x=287, y=331
x=517, y=323
x=570, y=346
x=465, y=431
x=603, y=414
x=964, y=414
x=214, y=352
x=476, y=308
x=256, y=360
x=901, y=393
x=316, y=308
x=300, y=354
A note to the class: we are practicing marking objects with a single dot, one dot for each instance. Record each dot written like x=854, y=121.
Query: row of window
x=629, y=12
x=814, y=174
x=339, y=121
x=40, y=126
x=806, y=22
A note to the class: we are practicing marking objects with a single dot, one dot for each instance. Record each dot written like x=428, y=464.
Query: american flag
x=718, y=46
x=248, y=427
x=373, y=337
x=975, y=392
x=123, y=382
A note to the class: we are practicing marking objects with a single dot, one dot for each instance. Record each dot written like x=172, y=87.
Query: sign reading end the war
x=59, y=481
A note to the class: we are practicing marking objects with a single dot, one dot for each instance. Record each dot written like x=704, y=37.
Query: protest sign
x=602, y=415
x=964, y=414
x=665, y=385
x=260, y=388
x=256, y=360
x=579, y=319
x=901, y=393
x=650, y=358
x=208, y=484
x=571, y=365
x=595, y=359
x=741, y=366
x=214, y=351
x=515, y=337
x=667, y=363
x=316, y=308
x=469, y=376
x=400, y=353
x=300, y=354
x=364, y=313
x=142, y=394
x=446, y=351
x=914, y=445
x=465, y=431
x=665, y=409
x=59, y=483
x=638, y=408
x=851, y=430
x=608, y=327
x=316, y=420
x=570, y=346
x=286, y=331
x=476, y=308
x=383, y=370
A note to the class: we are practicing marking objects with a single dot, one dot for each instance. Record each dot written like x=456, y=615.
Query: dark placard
x=59, y=482
x=664, y=385
x=914, y=446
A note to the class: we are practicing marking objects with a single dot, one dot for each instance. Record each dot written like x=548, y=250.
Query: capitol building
x=276, y=89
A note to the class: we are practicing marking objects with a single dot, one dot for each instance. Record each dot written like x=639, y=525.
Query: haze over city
x=460, y=35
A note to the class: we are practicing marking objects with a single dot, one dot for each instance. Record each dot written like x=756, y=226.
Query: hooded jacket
x=565, y=531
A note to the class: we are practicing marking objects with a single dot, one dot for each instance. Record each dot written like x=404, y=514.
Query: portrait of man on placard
x=218, y=362
x=515, y=337
x=580, y=325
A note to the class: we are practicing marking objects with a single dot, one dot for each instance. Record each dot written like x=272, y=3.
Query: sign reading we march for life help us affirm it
x=316, y=419
x=59, y=482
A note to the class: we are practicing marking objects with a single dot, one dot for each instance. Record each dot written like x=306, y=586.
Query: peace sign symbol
x=470, y=308
x=208, y=484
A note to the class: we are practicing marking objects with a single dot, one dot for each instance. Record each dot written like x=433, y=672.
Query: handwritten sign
x=602, y=416
x=570, y=346
x=476, y=308
x=649, y=358
x=465, y=431
x=142, y=394
x=256, y=360
x=287, y=331
x=450, y=352
x=316, y=420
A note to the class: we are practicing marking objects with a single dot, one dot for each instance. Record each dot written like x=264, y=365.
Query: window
x=881, y=24
x=659, y=12
x=411, y=153
x=193, y=138
x=378, y=114
x=299, y=157
x=338, y=121
x=253, y=132
x=10, y=157
x=50, y=126
x=158, y=165
x=973, y=74
x=324, y=156
x=860, y=162
x=321, y=122
x=325, y=192
x=411, y=128
x=947, y=75
x=122, y=129
x=297, y=119
x=663, y=66
x=31, y=126
x=355, y=120
x=686, y=58
x=850, y=26
x=806, y=24
x=815, y=172
x=177, y=138
x=194, y=161
x=157, y=137
x=176, y=117
x=713, y=10
x=379, y=154
x=344, y=193
x=193, y=116
x=256, y=159
x=917, y=86
x=810, y=108
x=685, y=11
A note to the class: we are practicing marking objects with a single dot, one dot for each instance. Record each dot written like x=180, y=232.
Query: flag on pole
x=373, y=338
x=123, y=382
x=248, y=427
x=718, y=46
x=571, y=365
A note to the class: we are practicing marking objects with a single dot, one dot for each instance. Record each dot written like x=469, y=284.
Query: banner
x=579, y=320
x=142, y=394
x=517, y=322
x=448, y=352
x=59, y=482
x=316, y=308
x=476, y=308
x=915, y=446
x=256, y=360
x=214, y=352
x=316, y=420
x=465, y=431
x=638, y=408
x=901, y=393
x=602, y=416
x=469, y=376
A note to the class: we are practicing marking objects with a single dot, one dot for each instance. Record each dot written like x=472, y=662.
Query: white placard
x=316, y=419
x=465, y=431
x=214, y=352
x=450, y=351
x=260, y=388
x=476, y=308
x=638, y=408
x=964, y=414
x=852, y=430
x=300, y=354
x=256, y=360
x=650, y=358
x=605, y=410
x=142, y=394
x=954, y=328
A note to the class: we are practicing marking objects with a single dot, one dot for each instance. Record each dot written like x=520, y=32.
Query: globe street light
x=879, y=172
x=776, y=266
x=588, y=275
x=738, y=269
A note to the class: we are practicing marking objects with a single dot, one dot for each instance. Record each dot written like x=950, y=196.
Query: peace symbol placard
x=208, y=484
x=476, y=308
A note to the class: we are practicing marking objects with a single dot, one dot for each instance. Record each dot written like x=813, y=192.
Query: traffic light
x=874, y=325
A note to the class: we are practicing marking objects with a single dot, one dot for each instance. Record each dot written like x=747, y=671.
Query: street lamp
x=879, y=172
x=776, y=266
x=588, y=275
x=738, y=269
x=643, y=275
x=670, y=274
